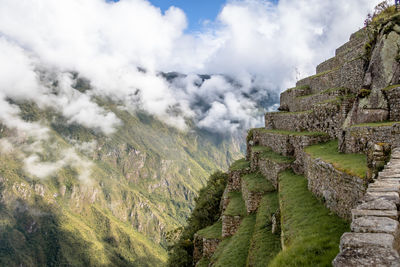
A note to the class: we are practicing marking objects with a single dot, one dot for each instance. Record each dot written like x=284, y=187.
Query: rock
x=359, y=240
x=370, y=224
x=356, y=213
x=377, y=204
x=367, y=256
x=391, y=196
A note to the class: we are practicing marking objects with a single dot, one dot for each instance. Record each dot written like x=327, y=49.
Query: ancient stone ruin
x=353, y=100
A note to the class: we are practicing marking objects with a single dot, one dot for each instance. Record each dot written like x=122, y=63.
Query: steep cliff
x=315, y=167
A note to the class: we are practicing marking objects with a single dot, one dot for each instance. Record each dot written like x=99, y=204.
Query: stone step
x=377, y=204
x=367, y=256
x=390, y=196
x=383, y=189
x=359, y=240
x=357, y=213
x=371, y=224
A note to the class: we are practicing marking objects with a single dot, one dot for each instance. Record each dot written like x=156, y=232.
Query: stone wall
x=234, y=180
x=393, y=97
x=230, y=225
x=289, y=95
x=209, y=247
x=339, y=190
x=271, y=170
x=375, y=229
x=204, y=247
x=327, y=118
x=361, y=138
x=197, y=248
x=252, y=199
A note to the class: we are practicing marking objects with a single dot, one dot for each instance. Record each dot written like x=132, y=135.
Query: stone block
x=230, y=225
x=357, y=213
x=390, y=196
x=359, y=240
x=371, y=224
x=377, y=204
x=367, y=257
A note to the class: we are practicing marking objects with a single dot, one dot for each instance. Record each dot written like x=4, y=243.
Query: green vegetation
x=283, y=132
x=324, y=73
x=376, y=124
x=291, y=113
x=240, y=164
x=205, y=213
x=214, y=231
x=236, y=205
x=391, y=87
x=364, y=93
x=311, y=233
x=203, y=262
x=256, y=182
x=353, y=164
x=234, y=251
x=327, y=91
x=301, y=87
x=264, y=244
x=268, y=153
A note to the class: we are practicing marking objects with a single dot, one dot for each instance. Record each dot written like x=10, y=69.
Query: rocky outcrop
x=374, y=240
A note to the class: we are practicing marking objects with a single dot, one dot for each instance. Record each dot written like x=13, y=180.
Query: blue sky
x=197, y=11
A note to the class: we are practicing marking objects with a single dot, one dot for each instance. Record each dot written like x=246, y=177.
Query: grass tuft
x=353, y=164
x=240, y=164
x=283, y=132
x=376, y=124
x=266, y=152
x=212, y=232
x=256, y=182
x=236, y=205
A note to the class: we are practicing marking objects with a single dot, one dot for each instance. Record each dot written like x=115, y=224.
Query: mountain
x=74, y=196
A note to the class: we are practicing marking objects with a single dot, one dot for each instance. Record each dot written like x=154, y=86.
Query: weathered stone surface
x=371, y=224
x=252, y=199
x=234, y=180
x=360, y=138
x=209, y=247
x=367, y=256
x=392, y=214
x=359, y=240
x=391, y=196
x=340, y=191
x=197, y=248
x=378, y=204
x=230, y=224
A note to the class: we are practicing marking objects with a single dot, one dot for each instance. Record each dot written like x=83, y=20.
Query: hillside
x=320, y=182
x=77, y=197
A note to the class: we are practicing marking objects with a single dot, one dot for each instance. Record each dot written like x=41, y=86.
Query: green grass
x=264, y=244
x=290, y=113
x=323, y=73
x=240, y=164
x=327, y=91
x=236, y=205
x=353, y=164
x=235, y=250
x=302, y=87
x=266, y=152
x=212, y=232
x=376, y=124
x=311, y=231
x=282, y=132
x=391, y=87
x=256, y=182
x=203, y=262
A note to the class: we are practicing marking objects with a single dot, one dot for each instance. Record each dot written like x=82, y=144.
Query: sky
x=263, y=46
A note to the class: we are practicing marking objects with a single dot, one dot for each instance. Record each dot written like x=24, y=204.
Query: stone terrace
x=374, y=240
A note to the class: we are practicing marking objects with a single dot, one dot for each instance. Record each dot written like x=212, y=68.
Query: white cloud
x=253, y=41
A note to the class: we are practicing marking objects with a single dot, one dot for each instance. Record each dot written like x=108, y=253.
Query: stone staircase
x=374, y=240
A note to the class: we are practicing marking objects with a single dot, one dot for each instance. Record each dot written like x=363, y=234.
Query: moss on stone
x=376, y=124
x=293, y=133
x=301, y=87
x=212, y=232
x=256, y=182
x=391, y=87
x=236, y=206
x=267, y=153
x=353, y=164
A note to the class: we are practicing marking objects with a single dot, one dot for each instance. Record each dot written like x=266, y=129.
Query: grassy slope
x=264, y=244
x=354, y=164
x=311, y=231
x=236, y=205
x=234, y=251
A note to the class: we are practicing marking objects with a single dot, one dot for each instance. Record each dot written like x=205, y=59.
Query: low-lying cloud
x=255, y=49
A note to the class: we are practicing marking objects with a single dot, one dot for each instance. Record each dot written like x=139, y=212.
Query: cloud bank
x=254, y=49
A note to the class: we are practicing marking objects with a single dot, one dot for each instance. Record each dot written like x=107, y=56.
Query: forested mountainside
x=73, y=196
